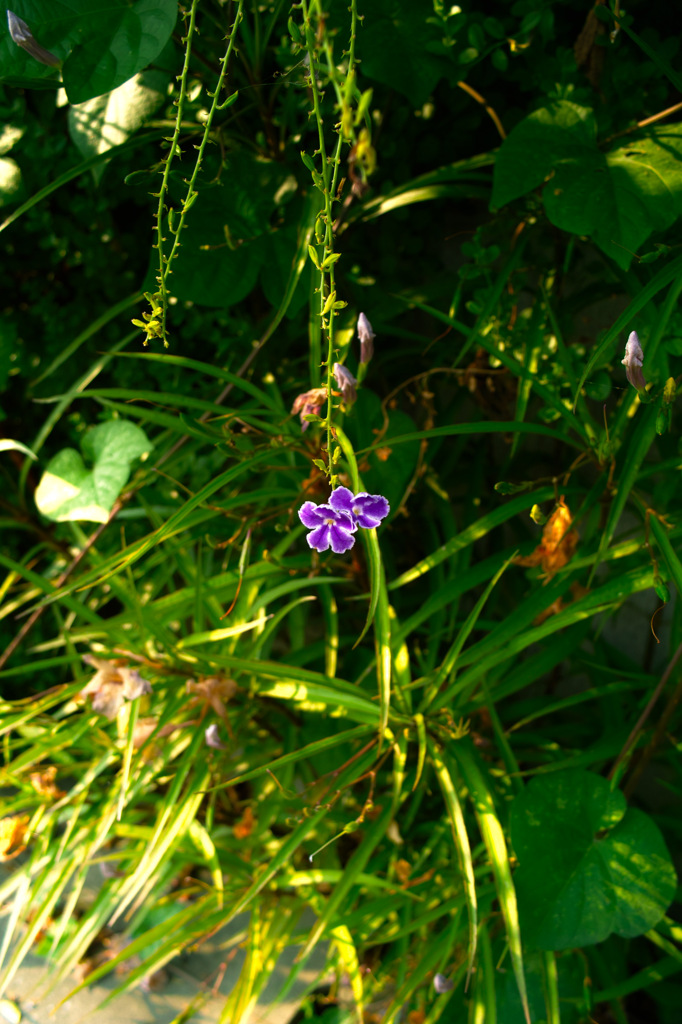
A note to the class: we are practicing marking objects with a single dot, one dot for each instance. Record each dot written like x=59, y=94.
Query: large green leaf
x=404, y=49
x=102, y=43
x=103, y=122
x=226, y=239
x=570, y=985
x=617, y=197
x=69, y=491
x=588, y=866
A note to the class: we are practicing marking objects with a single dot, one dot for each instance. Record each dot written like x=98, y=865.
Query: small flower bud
x=346, y=383
x=366, y=336
x=634, y=359
x=21, y=35
x=442, y=984
x=212, y=738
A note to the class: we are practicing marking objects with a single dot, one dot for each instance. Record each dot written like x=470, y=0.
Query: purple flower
x=634, y=358
x=329, y=527
x=366, y=336
x=366, y=510
x=346, y=383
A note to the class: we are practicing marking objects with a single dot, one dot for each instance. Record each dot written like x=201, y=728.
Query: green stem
x=191, y=191
x=174, y=147
x=327, y=182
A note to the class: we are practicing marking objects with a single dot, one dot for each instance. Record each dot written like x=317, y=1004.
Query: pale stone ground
x=186, y=975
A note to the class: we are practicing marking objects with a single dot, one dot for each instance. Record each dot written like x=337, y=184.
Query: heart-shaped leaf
x=588, y=866
x=616, y=197
x=226, y=240
x=103, y=122
x=102, y=43
x=68, y=491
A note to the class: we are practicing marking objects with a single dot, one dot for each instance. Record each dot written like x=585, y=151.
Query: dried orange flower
x=558, y=543
x=309, y=403
x=112, y=684
x=12, y=832
x=44, y=784
x=577, y=590
x=245, y=825
x=402, y=870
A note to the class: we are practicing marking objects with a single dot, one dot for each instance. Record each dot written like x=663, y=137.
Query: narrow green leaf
x=460, y=840
x=493, y=837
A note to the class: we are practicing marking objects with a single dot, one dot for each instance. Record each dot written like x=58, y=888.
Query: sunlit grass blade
x=450, y=660
x=631, y=462
x=493, y=836
x=371, y=837
x=293, y=841
x=460, y=839
x=516, y=427
x=667, y=550
x=472, y=533
x=485, y=1003
x=672, y=271
x=369, y=537
x=551, y=975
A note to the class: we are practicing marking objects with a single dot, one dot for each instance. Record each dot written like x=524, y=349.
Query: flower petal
x=341, y=539
x=319, y=538
x=309, y=515
x=342, y=499
x=370, y=509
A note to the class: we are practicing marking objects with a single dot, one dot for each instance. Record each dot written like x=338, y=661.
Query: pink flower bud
x=21, y=35
x=634, y=359
x=346, y=383
x=366, y=336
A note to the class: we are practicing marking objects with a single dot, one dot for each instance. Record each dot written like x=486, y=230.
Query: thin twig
x=639, y=724
x=658, y=735
x=488, y=109
x=645, y=122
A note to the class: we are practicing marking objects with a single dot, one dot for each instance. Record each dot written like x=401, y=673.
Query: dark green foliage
x=452, y=750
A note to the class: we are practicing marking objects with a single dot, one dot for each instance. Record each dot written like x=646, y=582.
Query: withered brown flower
x=214, y=691
x=112, y=684
x=310, y=402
